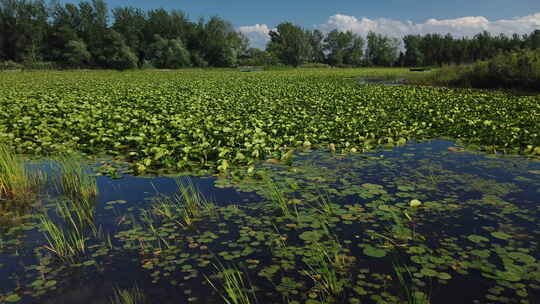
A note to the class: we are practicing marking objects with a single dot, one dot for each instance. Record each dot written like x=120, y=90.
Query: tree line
x=90, y=35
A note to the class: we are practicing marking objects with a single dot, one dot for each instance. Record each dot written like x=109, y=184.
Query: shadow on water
x=476, y=225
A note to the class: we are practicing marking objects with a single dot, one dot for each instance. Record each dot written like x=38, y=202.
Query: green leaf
x=501, y=235
x=374, y=252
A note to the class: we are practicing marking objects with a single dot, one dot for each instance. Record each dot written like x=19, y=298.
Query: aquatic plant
x=186, y=206
x=324, y=267
x=277, y=198
x=324, y=205
x=234, y=287
x=249, y=117
x=128, y=296
x=17, y=183
x=412, y=295
x=66, y=242
x=74, y=179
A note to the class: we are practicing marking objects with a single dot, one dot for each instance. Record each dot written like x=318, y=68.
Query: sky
x=390, y=17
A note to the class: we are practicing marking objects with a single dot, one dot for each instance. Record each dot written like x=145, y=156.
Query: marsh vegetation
x=273, y=187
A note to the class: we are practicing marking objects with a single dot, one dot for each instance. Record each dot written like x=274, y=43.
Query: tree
x=354, y=53
x=316, y=40
x=130, y=22
x=344, y=48
x=257, y=57
x=413, y=54
x=23, y=26
x=219, y=43
x=76, y=54
x=381, y=50
x=169, y=53
x=115, y=53
x=532, y=41
x=290, y=43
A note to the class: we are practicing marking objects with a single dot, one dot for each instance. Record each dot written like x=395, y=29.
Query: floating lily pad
x=374, y=252
x=13, y=298
x=501, y=235
x=477, y=238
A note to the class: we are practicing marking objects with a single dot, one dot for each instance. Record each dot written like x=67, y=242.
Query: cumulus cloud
x=257, y=34
x=459, y=27
x=465, y=26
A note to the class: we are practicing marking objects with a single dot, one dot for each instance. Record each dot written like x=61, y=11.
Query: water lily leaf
x=311, y=236
x=374, y=252
x=13, y=298
x=477, y=238
x=522, y=257
x=501, y=235
x=428, y=272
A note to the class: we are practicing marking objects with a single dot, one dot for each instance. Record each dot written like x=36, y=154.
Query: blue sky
x=313, y=12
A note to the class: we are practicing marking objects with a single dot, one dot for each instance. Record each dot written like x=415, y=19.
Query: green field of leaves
x=218, y=118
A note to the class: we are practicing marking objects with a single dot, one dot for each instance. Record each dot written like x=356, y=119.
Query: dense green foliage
x=74, y=36
x=85, y=35
x=436, y=49
x=217, y=118
x=516, y=70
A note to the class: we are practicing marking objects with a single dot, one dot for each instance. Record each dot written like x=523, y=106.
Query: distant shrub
x=147, y=65
x=517, y=70
x=10, y=66
x=344, y=66
x=314, y=65
x=40, y=65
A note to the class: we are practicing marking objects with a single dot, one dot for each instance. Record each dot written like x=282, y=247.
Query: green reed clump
x=66, y=242
x=17, y=183
x=278, y=199
x=411, y=293
x=68, y=234
x=236, y=288
x=128, y=296
x=327, y=268
x=74, y=180
x=186, y=206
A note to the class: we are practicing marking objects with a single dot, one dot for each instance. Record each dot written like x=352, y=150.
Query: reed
x=324, y=268
x=236, y=287
x=411, y=293
x=278, y=199
x=75, y=180
x=186, y=206
x=67, y=243
x=17, y=183
x=128, y=296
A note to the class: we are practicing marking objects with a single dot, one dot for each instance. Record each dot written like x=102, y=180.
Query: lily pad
x=501, y=235
x=374, y=252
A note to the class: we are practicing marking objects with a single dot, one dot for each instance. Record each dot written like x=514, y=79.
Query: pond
x=427, y=222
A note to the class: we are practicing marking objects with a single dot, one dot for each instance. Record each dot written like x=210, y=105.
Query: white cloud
x=465, y=26
x=257, y=34
x=459, y=27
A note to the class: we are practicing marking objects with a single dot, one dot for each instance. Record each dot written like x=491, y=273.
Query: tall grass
x=235, y=288
x=324, y=267
x=79, y=214
x=186, y=206
x=128, y=296
x=17, y=183
x=324, y=205
x=411, y=293
x=278, y=199
x=74, y=180
x=66, y=242
x=67, y=235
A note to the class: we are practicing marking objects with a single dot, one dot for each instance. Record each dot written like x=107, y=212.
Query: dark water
x=462, y=193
